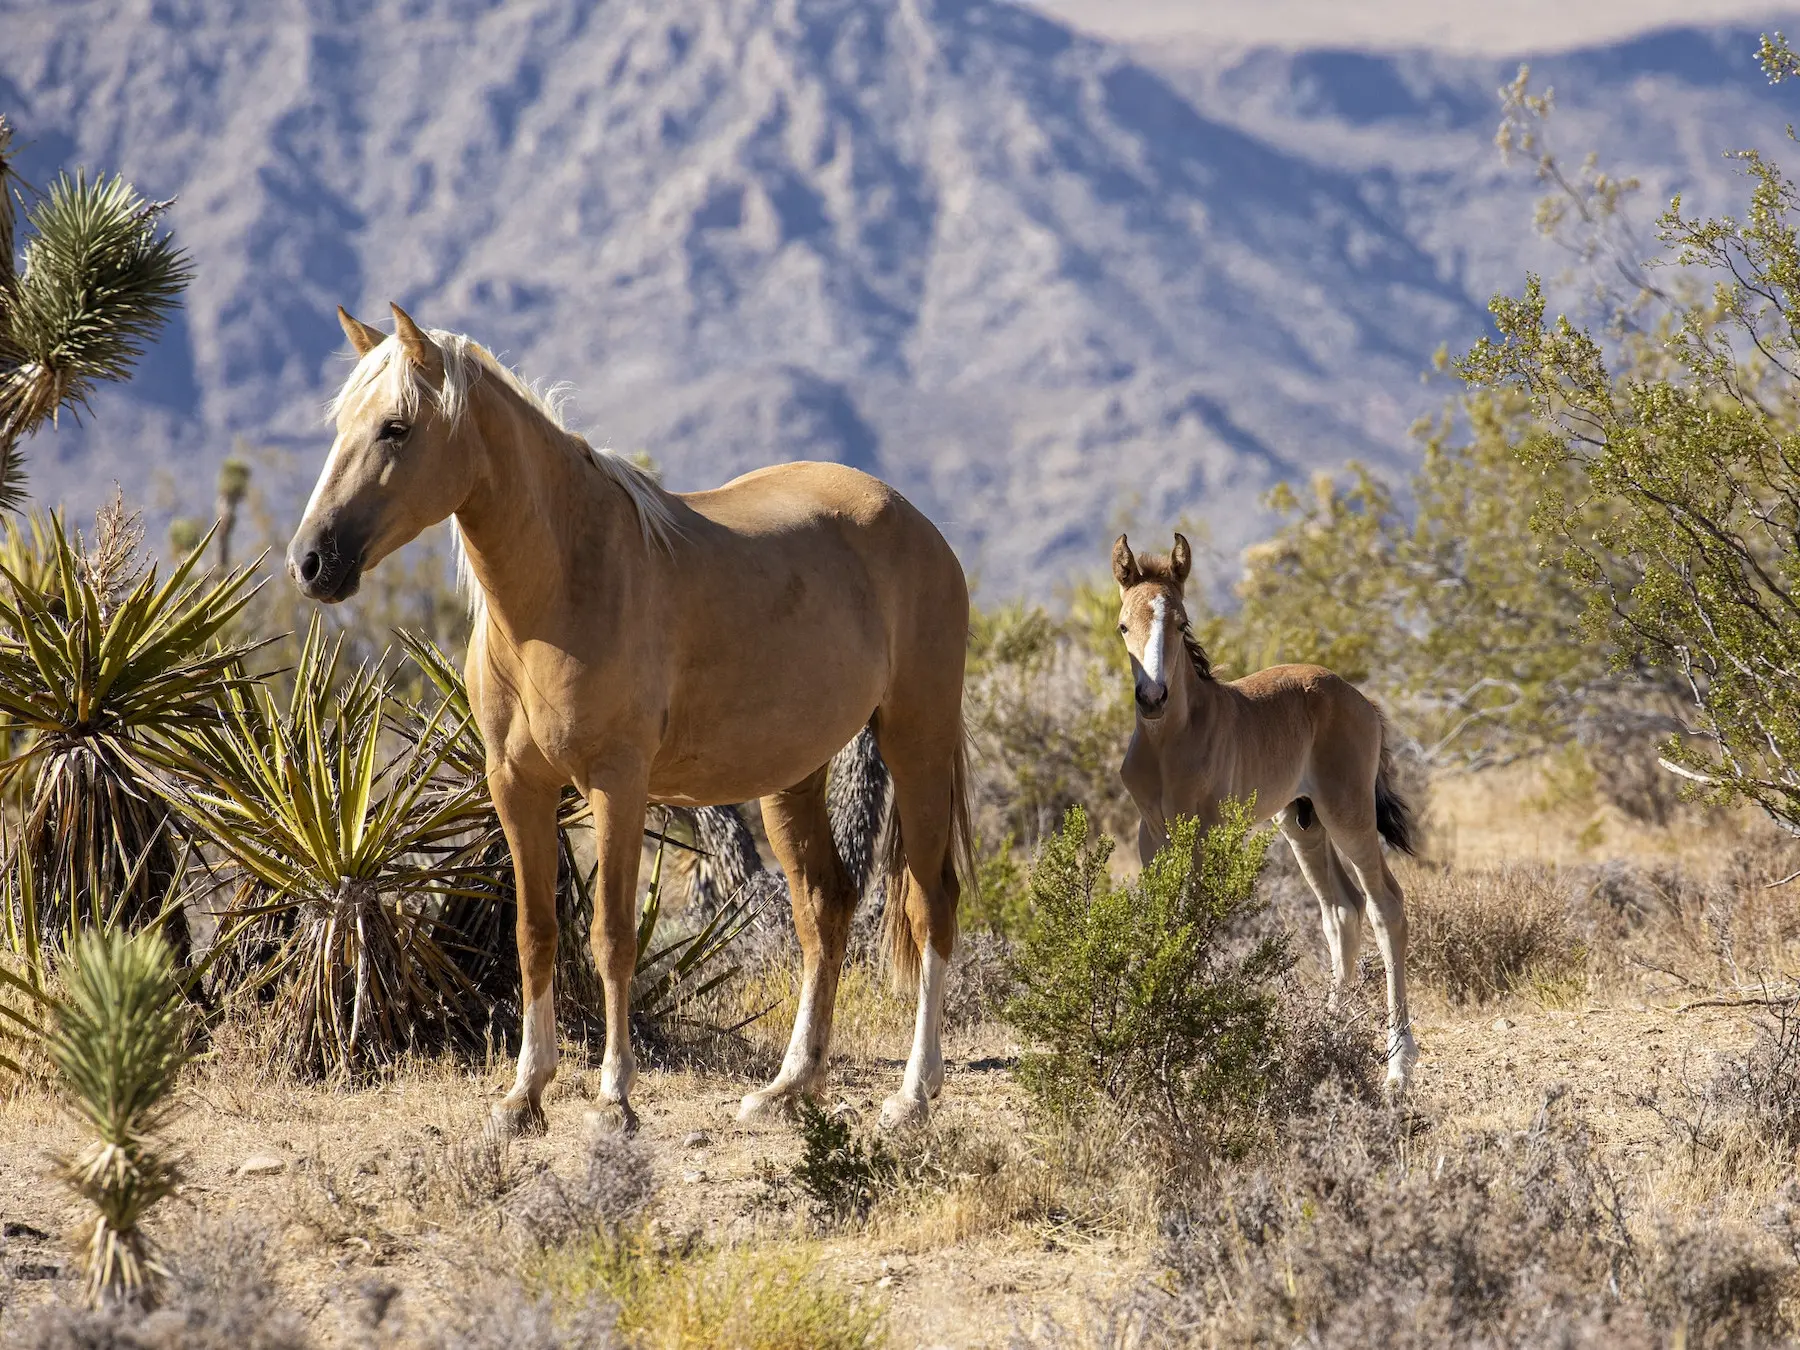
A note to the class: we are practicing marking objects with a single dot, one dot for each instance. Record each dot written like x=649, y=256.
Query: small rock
x=693, y=1178
x=885, y=1282
x=1501, y=1024
x=698, y=1139
x=261, y=1165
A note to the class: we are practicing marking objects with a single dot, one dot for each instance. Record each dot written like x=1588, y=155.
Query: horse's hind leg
x=799, y=829
x=1361, y=853
x=1340, y=904
x=922, y=763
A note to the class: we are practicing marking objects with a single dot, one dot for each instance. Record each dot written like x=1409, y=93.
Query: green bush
x=1138, y=994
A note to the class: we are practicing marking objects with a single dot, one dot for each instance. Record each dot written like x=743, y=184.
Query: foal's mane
x=1158, y=569
x=466, y=363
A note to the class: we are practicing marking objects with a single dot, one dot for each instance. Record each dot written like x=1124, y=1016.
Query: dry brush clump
x=1366, y=1229
x=1480, y=934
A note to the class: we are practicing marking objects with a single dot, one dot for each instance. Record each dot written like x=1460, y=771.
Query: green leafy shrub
x=841, y=1175
x=1137, y=992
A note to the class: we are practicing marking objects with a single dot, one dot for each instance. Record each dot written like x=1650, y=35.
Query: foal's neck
x=540, y=506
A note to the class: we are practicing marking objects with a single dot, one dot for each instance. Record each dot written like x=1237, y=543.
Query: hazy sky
x=1498, y=28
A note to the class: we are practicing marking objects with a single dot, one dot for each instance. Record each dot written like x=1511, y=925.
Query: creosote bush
x=1137, y=994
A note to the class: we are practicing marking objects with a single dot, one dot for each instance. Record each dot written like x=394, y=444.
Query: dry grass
x=1480, y=935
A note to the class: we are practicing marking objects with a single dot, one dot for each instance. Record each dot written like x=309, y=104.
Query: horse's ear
x=417, y=345
x=362, y=337
x=1181, y=559
x=1125, y=565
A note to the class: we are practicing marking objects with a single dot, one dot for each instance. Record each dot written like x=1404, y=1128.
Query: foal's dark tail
x=1393, y=817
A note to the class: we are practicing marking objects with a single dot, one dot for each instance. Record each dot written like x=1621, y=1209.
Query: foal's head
x=399, y=463
x=1153, y=621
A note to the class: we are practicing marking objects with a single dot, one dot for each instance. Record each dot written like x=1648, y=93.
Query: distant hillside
x=1042, y=282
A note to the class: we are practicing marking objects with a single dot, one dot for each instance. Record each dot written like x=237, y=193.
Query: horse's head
x=399, y=462
x=1152, y=618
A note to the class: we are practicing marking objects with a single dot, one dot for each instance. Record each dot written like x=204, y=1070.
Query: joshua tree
x=98, y=281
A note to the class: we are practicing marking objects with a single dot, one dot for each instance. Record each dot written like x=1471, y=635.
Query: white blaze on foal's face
x=1149, y=622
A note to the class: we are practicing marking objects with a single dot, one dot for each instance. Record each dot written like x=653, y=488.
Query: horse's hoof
x=767, y=1105
x=516, y=1119
x=900, y=1112
x=613, y=1118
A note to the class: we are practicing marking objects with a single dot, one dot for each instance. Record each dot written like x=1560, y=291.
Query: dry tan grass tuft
x=1480, y=935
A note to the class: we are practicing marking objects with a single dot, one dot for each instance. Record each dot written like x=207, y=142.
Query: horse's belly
x=719, y=756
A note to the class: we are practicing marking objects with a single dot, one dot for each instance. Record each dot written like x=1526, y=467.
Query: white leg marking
x=537, y=1049
x=925, y=1067
x=803, y=1067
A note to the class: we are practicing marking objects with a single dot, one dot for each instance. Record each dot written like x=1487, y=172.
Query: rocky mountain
x=1045, y=283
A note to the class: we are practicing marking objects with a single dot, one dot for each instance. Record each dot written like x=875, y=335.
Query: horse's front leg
x=618, y=810
x=527, y=812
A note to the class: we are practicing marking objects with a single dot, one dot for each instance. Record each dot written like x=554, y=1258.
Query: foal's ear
x=419, y=347
x=1181, y=559
x=362, y=337
x=1125, y=565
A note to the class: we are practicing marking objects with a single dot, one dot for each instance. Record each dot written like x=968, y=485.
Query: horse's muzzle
x=322, y=570
x=1152, y=700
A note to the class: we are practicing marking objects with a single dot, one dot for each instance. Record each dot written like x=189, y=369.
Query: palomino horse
x=648, y=646
x=1298, y=742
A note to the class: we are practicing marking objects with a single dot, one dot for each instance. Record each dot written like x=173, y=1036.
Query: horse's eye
x=1122, y=630
x=393, y=431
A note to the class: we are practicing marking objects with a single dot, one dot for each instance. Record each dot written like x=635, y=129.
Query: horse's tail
x=900, y=947
x=1393, y=817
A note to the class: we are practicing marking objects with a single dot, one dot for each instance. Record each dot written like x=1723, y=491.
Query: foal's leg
x=1387, y=915
x=799, y=830
x=527, y=814
x=1340, y=905
x=618, y=810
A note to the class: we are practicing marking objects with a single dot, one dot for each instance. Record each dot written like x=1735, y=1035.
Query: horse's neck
x=537, y=507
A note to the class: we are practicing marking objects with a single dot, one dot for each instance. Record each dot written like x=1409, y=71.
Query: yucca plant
x=118, y=1038
x=105, y=670
x=99, y=281
x=351, y=849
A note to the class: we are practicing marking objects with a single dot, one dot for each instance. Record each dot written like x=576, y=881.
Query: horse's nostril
x=309, y=567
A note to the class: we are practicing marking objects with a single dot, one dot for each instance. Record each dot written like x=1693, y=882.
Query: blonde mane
x=466, y=363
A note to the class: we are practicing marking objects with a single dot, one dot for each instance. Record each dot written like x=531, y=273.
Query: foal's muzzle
x=322, y=568
x=1152, y=699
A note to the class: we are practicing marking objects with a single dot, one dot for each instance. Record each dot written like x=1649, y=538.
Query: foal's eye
x=393, y=431
x=1122, y=630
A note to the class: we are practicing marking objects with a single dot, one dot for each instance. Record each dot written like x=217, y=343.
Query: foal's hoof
x=613, y=1118
x=516, y=1119
x=901, y=1112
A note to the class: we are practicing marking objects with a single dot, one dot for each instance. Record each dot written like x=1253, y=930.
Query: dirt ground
x=336, y=1159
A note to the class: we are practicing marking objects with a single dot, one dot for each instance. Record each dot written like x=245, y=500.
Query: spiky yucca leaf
x=119, y=1038
x=351, y=856
x=104, y=671
x=99, y=282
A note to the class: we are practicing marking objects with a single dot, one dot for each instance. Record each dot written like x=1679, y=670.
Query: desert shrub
x=735, y=1298
x=1048, y=705
x=219, y=1294
x=1482, y=934
x=502, y=1315
x=1133, y=993
x=1364, y=1232
x=608, y=1203
x=841, y=1175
